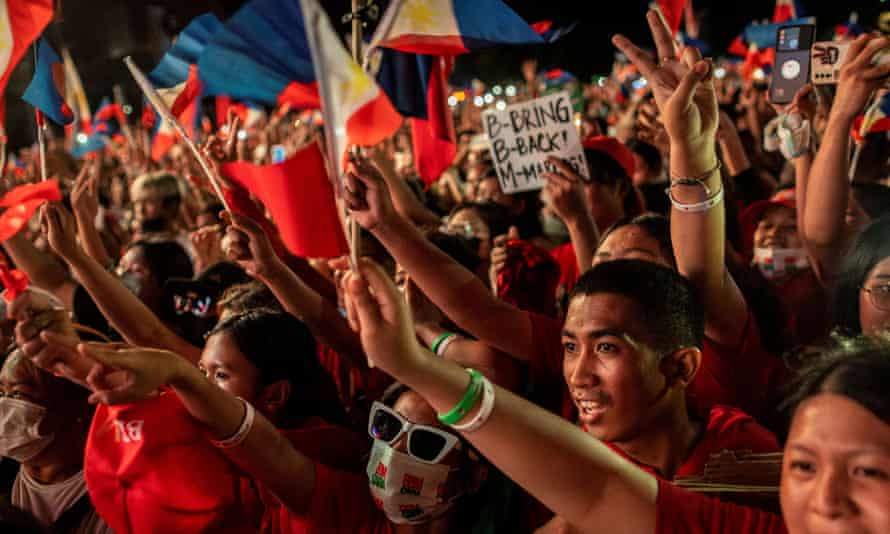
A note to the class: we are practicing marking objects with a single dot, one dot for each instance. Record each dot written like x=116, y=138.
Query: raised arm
x=250, y=248
x=685, y=95
x=828, y=187
x=459, y=293
x=582, y=479
x=85, y=204
x=126, y=375
x=125, y=312
x=42, y=269
x=567, y=200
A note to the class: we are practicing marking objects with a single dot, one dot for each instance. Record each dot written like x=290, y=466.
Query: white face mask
x=407, y=490
x=20, y=437
x=775, y=263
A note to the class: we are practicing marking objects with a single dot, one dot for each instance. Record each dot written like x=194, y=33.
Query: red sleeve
x=678, y=510
x=341, y=503
x=740, y=376
x=545, y=365
x=329, y=444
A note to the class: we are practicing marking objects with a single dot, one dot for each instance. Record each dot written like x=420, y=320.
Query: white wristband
x=443, y=346
x=246, y=424
x=484, y=412
x=697, y=207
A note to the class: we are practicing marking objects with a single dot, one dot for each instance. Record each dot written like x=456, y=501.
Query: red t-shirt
x=805, y=303
x=739, y=376
x=341, y=504
x=321, y=442
x=351, y=380
x=678, y=510
x=727, y=429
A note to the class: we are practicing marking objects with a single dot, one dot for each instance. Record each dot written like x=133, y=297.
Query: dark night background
x=99, y=33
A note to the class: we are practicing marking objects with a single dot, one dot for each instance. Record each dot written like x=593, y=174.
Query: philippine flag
x=261, y=55
x=876, y=119
x=176, y=76
x=417, y=85
x=21, y=22
x=48, y=85
x=356, y=111
x=451, y=27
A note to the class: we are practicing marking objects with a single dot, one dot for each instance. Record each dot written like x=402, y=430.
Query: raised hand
x=565, y=190
x=248, y=245
x=124, y=374
x=37, y=312
x=61, y=230
x=499, y=256
x=367, y=195
x=85, y=193
x=684, y=91
x=860, y=76
x=379, y=314
x=208, y=248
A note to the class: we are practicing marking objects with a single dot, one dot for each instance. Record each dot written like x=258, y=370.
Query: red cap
x=150, y=468
x=751, y=215
x=613, y=148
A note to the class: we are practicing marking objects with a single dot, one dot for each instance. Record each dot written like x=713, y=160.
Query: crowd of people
x=692, y=340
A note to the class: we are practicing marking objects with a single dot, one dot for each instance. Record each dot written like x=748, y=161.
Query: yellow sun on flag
x=355, y=84
x=420, y=13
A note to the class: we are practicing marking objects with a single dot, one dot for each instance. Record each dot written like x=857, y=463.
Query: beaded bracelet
x=471, y=395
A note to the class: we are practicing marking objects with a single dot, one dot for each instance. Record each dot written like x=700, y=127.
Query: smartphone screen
x=792, y=69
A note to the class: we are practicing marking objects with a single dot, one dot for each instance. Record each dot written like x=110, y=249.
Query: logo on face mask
x=774, y=263
x=405, y=489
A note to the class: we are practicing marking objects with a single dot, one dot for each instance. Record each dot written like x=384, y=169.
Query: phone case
x=826, y=60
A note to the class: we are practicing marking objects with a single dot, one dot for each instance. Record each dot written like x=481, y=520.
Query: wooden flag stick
x=354, y=229
x=155, y=99
x=40, y=120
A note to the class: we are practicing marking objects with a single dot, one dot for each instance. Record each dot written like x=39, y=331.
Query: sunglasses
x=425, y=443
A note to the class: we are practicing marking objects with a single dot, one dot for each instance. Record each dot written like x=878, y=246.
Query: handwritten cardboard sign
x=524, y=135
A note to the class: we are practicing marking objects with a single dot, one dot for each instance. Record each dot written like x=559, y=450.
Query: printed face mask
x=407, y=490
x=775, y=263
x=20, y=437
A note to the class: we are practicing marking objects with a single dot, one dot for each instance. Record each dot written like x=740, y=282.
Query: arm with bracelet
x=582, y=479
x=688, y=105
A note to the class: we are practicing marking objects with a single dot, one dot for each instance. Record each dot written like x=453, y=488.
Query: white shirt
x=47, y=502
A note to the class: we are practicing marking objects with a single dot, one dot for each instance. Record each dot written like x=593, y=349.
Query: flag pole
x=40, y=120
x=354, y=229
x=155, y=99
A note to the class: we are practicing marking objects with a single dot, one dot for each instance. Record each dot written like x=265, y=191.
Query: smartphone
x=792, y=62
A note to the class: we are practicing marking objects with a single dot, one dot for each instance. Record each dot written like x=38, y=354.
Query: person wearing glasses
x=420, y=472
x=862, y=287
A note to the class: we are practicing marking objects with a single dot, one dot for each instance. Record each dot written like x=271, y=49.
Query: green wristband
x=471, y=395
x=442, y=337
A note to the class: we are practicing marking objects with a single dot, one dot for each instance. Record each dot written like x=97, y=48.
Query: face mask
x=20, y=437
x=554, y=228
x=775, y=263
x=132, y=281
x=407, y=490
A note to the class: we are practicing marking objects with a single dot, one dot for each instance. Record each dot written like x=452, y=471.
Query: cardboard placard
x=524, y=135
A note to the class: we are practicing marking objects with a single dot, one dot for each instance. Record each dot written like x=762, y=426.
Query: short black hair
x=868, y=249
x=856, y=367
x=669, y=305
x=457, y=247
